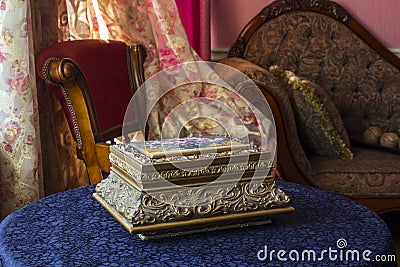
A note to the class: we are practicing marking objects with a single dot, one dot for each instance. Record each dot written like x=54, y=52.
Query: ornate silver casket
x=173, y=194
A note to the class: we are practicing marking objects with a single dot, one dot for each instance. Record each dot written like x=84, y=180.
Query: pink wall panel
x=380, y=17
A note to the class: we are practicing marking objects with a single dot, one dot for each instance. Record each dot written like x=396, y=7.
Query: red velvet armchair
x=94, y=81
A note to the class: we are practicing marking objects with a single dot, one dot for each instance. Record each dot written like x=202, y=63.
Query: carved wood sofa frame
x=289, y=164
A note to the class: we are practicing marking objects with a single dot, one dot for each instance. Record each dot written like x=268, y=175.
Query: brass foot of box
x=206, y=227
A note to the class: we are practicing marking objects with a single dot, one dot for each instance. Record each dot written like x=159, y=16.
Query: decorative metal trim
x=141, y=209
x=195, y=172
x=140, y=157
x=74, y=118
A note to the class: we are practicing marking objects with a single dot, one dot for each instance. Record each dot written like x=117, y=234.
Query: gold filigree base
x=146, y=215
x=195, y=226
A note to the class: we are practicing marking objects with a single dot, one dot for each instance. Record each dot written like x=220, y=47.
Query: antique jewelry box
x=185, y=185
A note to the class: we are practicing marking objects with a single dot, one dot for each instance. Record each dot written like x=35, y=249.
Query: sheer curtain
x=19, y=132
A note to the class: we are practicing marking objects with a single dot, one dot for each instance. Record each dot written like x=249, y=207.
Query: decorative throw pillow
x=319, y=123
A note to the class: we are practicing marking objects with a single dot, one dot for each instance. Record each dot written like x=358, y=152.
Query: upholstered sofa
x=335, y=92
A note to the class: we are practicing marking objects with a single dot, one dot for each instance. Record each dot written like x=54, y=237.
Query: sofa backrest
x=319, y=40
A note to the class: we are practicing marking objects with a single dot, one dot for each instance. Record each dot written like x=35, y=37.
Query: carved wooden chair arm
x=94, y=81
x=72, y=84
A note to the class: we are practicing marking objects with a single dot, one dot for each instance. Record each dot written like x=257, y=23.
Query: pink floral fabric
x=19, y=142
x=156, y=25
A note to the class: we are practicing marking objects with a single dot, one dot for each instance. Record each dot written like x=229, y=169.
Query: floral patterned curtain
x=19, y=131
x=157, y=26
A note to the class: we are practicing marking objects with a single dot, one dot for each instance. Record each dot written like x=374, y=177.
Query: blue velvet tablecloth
x=72, y=229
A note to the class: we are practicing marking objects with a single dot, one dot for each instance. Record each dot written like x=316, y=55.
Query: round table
x=72, y=229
